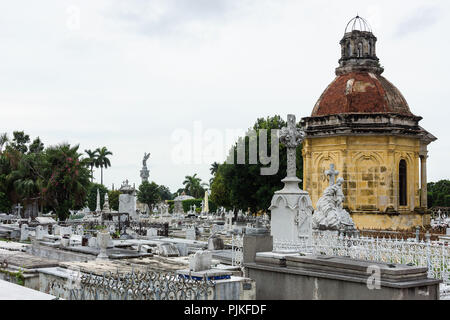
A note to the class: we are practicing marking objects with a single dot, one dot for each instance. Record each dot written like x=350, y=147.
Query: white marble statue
x=329, y=214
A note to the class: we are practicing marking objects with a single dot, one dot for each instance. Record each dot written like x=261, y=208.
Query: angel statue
x=146, y=156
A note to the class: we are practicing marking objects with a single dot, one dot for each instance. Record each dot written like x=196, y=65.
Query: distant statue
x=146, y=156
x=329, y=214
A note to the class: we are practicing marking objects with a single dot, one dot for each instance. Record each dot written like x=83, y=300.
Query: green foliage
x=164, y=193
x=92, y=195
x=148, y=193
x=171, y=205
x=66, y=179
x=55, y=175
x=76, y=216
x=189, y=202
x=242, y=186
x=193, y=186
x=5, y=204
x=114, y=199
x=102, y=160
x=439, y=194
x=20, y=141
x=92, y=161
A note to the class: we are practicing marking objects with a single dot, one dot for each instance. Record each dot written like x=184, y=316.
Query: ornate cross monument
x=19, y=207
x=332, y=174
x=291, y=207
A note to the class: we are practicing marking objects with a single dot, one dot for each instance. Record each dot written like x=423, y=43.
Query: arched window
x=349, y=49
x=360, y=49
x=370, y=48
x=402, y=181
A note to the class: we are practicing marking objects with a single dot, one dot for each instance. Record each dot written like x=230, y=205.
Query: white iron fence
x=432, y=254
x=148, y=285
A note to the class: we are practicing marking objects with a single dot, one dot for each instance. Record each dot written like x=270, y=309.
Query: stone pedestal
x=103, y=239
x=279, y=277
x=127, y=204
x=291, y=210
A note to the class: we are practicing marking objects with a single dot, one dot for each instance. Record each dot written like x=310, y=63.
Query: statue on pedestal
x=145, y=174
x=329, y=214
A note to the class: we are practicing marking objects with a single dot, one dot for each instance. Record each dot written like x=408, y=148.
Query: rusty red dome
x=361, y=92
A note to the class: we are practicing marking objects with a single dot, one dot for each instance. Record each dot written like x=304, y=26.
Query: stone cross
x=332, y=173
x=291, y=137
x=19, y=207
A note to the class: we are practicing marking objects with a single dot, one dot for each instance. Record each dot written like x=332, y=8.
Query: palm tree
x=3, y=140
x=214, y=168
x=193, y=186
x=102, y=160
x=92, y=160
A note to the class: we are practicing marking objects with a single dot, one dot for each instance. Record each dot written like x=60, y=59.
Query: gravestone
x=24, y=234
x=103, y=239
x=63, y=231
x=190, y=233
x=200, y=261
x=229, y=221
x=182, y=249
x=168, y=250
x=56, y=230
x=80, y=230
x=152, y=232
x=216, y=228
x=45, y=220
x=92, y=242
x=291, y=207
x=215, y=243
x=41, y=232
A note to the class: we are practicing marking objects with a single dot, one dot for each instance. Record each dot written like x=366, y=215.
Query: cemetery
x=342, y=231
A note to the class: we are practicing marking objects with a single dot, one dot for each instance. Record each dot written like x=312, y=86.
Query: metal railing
x=432, y=254
x=148, y=285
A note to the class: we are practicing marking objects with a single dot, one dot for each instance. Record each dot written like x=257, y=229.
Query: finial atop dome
x=358, y=49
x=358, y=23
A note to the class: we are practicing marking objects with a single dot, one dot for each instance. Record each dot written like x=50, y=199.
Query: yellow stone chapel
x=363, y=126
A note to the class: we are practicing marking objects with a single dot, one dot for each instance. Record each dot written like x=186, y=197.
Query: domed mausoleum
x=363, y=125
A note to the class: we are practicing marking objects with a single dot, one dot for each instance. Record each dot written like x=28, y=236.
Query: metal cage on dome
x=358, y=23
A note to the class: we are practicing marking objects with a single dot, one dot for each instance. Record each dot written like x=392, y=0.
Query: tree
x=164, y=193
x=103, y=160
x=193, y=186
x=92, y=195
x=242, y=186
x=19, y=141
x=36, y=146
x=114, y=199
x=66, y=179
x=92, y=161
x=5, y=205
x=148, y=193
x=3, y=140
x=439, y=194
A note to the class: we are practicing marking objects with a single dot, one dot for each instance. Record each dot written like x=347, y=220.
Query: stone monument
x=127, y=200
x=329, y=214
x=98, y=209
x=291, y=207
x=106, y=207
x=145, y=174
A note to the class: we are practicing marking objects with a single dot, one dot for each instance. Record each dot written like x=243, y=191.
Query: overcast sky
x=137, y=75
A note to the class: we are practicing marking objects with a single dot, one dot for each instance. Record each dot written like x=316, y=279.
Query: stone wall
x=370, y=167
